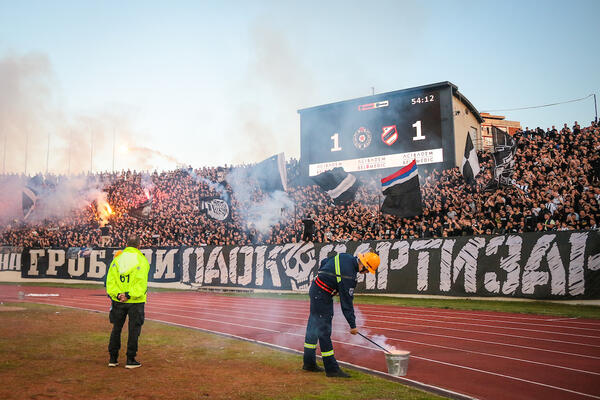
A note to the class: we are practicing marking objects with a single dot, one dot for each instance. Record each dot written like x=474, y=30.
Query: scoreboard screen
x=378, y=132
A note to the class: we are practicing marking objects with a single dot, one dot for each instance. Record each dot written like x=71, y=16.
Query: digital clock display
x=426, y=99
x=358, y=135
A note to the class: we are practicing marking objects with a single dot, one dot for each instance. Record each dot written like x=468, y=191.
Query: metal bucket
x=397, y=362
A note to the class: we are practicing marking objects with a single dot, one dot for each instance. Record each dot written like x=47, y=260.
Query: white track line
x=476, y=313
x=496, y=355
x=488, y=332
x=505, y=322
x=468, y=314
x=509, y=377
x=374, y=328
x=561, y=319
x=495, y=333
x=402, y=317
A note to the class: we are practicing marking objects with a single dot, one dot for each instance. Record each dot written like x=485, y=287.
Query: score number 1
x=417, y=126
x=336, y=137
x=336, y=142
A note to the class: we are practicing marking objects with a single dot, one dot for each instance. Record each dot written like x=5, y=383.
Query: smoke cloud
x=145, y=153
x=217, y=187
x=260, y=212
x=383, y=341
x=267, y=124
x=37, y=134
x=56, y=198
x=27, y=110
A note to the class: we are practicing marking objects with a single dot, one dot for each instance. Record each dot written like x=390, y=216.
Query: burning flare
x=103, y=210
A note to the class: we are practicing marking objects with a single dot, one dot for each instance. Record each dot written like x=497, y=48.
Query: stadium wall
x=543, y=265
x=465, y=122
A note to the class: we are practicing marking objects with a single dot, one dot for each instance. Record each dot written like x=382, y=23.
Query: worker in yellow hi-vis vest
x=126, y=285
x=336, y=275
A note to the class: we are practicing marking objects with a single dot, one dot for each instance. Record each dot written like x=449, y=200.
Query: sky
x=144, y=85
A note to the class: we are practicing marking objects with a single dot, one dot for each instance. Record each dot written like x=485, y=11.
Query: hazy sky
x=210, y=83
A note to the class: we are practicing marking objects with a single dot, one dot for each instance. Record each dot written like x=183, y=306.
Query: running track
x=484, y=355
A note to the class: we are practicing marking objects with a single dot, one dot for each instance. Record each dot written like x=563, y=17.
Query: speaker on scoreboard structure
x=387, y=131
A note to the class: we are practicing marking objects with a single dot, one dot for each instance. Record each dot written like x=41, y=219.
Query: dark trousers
x=307, y=236
x=318, y=329
x=117, y=315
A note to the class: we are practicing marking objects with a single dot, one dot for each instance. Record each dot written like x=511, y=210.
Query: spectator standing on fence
x=126, y=285
x=309, y=229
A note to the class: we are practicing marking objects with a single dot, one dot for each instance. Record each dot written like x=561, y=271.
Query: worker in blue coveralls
x=336, y=275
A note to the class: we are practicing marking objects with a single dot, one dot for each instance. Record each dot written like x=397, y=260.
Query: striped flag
x=339, y=185
x=402, y=192
x=30, y=195
x=470, y=165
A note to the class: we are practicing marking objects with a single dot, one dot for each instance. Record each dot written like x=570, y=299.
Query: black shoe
x=312, y=368
x=337, y=374
x=113, y=362
x=132, y=364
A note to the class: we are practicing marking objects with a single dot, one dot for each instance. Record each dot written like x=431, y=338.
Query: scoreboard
x=379, y=132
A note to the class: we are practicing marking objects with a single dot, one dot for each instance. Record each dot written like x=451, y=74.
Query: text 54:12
x=425, y=99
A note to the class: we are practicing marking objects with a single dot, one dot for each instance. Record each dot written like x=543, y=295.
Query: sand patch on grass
x=11, y=308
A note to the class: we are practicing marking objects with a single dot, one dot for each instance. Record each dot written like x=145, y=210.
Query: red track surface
x=486, y=355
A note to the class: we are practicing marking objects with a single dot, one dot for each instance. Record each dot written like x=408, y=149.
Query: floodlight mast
x=4, y=158
x=48, y=153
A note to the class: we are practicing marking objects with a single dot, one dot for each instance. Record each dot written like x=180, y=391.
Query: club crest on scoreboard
x=362, y=138
x=389, y=134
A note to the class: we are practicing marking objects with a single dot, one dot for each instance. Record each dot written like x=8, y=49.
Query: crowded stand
x=556, y=187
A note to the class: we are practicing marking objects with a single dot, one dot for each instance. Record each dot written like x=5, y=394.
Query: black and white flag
x=523, y=188
x=143, y=210
x=30, y=197
x=505, y=149
x=470, y=165
x=271, y=174
x=216, y=208
x=339, y=185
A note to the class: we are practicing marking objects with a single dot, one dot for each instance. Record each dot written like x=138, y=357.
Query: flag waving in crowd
x=216, y=207
x=470, y=165
x=143, y=210
x=31, y=194
x=271, y=174
x=505, y=149
x=29, y=200
x=340, y=185
x=402, y=192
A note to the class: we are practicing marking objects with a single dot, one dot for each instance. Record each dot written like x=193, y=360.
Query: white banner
x=380, y=162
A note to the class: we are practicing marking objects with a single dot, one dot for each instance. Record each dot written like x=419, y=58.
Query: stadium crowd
x=556, y=187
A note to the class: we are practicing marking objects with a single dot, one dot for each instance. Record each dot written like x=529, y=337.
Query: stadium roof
x=454, y=88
